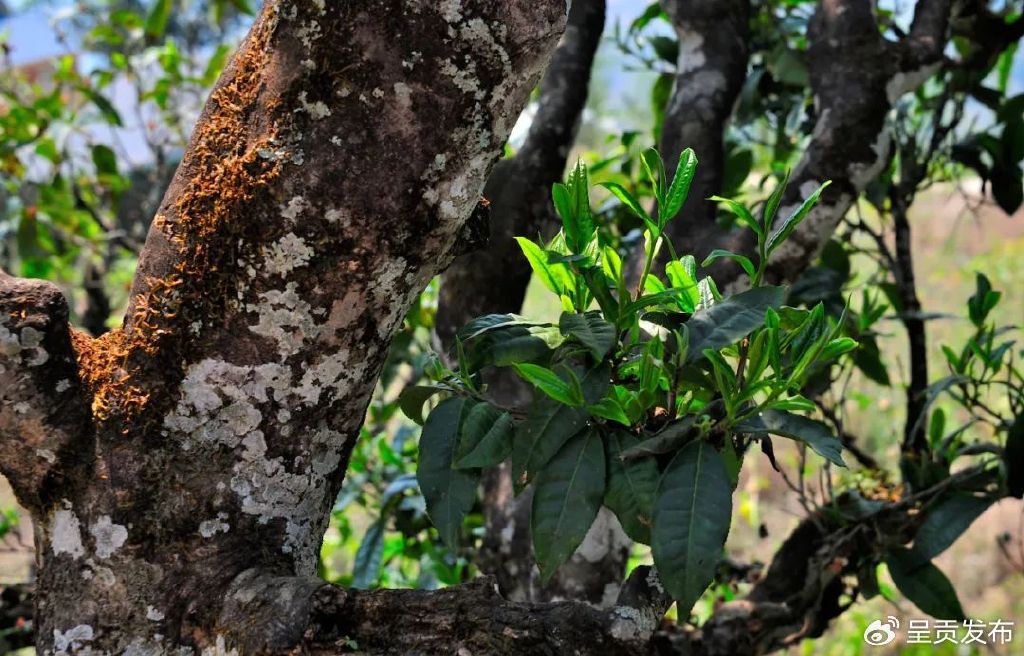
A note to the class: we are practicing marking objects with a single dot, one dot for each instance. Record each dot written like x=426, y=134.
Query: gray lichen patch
x=285, y=317
x=286, y=254
x=66, y=533
x=108, y=536
x=27, y=342
x=73, y=640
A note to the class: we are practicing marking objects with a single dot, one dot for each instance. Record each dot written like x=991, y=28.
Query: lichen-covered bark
x=328, y=179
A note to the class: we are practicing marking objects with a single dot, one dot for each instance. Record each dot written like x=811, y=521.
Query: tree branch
x=44, y=415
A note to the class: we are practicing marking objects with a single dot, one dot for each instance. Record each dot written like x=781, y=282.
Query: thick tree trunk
x=180, y=470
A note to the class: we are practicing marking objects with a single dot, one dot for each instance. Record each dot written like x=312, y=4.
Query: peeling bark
x=195, y=464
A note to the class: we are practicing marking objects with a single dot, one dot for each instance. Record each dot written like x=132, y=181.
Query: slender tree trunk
x=180, y=470
x=494, y=280
x=714, y=41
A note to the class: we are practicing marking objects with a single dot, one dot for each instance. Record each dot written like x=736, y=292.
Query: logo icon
x=881, y=633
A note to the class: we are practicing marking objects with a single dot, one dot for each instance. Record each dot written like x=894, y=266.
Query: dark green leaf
x=692, y=511
x=591, y=330
x=449, y=493
x=104, y=159
x=548, y=425
x=814, y=433
x=730, y=320
x=946, y=521
x=631, y=487
x=924, y=584
x=366, y=568
x=668, y=439
x=490, y=322
x=566, y=500
x=411, y=401
x=485, y=437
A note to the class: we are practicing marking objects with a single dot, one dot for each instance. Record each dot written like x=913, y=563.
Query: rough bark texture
x=714, y=38
x=180, y=470
x=494, y=280
x=856, y=76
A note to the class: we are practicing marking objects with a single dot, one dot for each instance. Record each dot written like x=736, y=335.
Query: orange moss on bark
x=132, y=373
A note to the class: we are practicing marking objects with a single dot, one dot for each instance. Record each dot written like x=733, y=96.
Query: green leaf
x=771, y=206
x=730, y=320
x=591, y=330
x=692, y=511
x=630, y=201
x=1014, y=458
x=814, y=433
x=505, y=346
x=110, y=113
x=449, y=493
x=609, y=409
x=489, y=322
x=742, y=260
x=366, y=568
x=631, y=487
x=485, y=437
x=579, y=188
x=790, y=224
x=548, y=425
x=654, y=165
x=411, y=400
x=156, y=21
x=216, y=64
x=550, y=383
x=682, y=275
x=680, y=188
x=667, y=440
x=924, y=584
x=946, y=521
x=742, y=214
x=538, y=260
x=567, y=497
x=104, y=159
